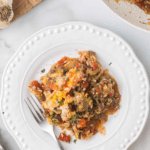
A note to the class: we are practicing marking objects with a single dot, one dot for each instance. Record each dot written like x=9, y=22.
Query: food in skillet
x=142, y=4
x=77, y=95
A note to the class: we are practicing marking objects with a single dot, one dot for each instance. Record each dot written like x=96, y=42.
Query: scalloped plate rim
x=70, y=23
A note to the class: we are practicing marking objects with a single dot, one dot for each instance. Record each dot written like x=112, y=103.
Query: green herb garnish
x=53, y=121
x=72, y=93
x=61, y=102
x=80, y=135
x=109, y=101
x=88, y=96
x=78, y=113
x=55, y=108
x=43, y=70
x=67, y=79
x=53, y=115
x=74, y=119
x=75, y=141
x=72, y=102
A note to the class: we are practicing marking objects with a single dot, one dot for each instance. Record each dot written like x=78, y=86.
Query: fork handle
x=60, y=145
x=55, y=138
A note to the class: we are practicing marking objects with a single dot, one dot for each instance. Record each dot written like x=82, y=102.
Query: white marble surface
x=52, y=12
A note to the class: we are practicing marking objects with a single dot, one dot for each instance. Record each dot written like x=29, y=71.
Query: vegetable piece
x=75, y=81
x=64, y=83
x=71, y=93
x=43, y=70
x=61, y=62
x=77, y=65
x=110, y=94
x=83, y=123
x=68, y=96
x=64, y=137
x=111, y=106
x=88, y=96
x=35, y=83
x=67, y=90
x=79, y=113
x=43, y=87
x=75, y=141
x=52, y=86
x=74, y=119
x=94, y=65
x=102, y=84
x=80, y=135
x=61, y=102
x=83, y=136
x=85, y=84
x=53, y=115
x=98, y=90
x=70, y=75
x=53, y=121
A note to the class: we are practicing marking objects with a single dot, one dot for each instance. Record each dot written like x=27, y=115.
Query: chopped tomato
x=64, y=137
x=67, y=90
x=83, y=123
x=68, y=96
x=75, y=81
x=94, y=65
x=137, y=0
x=53, y=86
x=64, y=83
x=111, y=106
x=110, y=94
x=98, y=90
x=83, y=135
x=102, y=84
x=35, y=83
x=61, y=62
x=43, y=87
x=81, y=76
x=77, y=65
x=85, y=84
x=70, y=74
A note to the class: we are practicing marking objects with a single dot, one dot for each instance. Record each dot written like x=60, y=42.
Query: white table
x=52, y=12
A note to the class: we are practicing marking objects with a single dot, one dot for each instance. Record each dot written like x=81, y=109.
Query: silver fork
x=37, y=111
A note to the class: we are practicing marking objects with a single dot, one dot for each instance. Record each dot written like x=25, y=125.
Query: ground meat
x=79, y=95
x=46, y=113
x=72, y=107
x=78, y=89
x=64, y=69
x=58, y=117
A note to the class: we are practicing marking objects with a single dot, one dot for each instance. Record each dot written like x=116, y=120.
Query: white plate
x=130, y=13
x=47, y=47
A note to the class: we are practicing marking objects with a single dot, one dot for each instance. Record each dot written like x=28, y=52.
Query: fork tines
x=35, y=108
